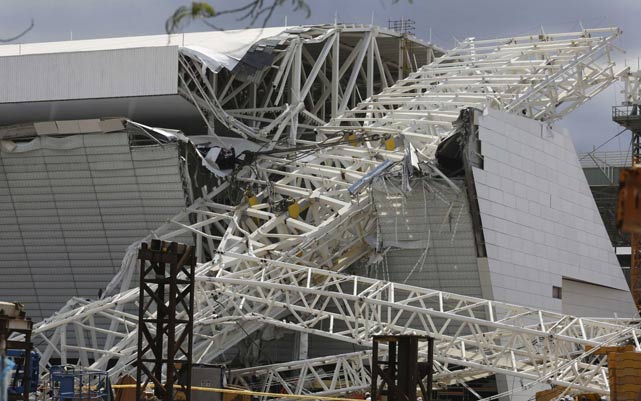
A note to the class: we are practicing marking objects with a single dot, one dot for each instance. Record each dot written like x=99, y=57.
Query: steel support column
x=165, y=318
x=403, y=372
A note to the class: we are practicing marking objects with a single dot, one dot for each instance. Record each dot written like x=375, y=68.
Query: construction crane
x=628, y=219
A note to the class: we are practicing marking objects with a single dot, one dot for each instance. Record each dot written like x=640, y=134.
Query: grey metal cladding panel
x=87, y=274
x=110, y=157
x=89, y=75
x=111, y=173
x=119, y=139
x=70, y=186
x=69, y=174
x=94, y=263
x=10, y=242
x=13, y=264
x=76, y=249
x=114, y=180
x=72, y=151
x=93, y=280
x=35, y=165
x=88, y=209
x=158, y=170
x=21, y=159
x=79, y=223
x=37, y=220
x=122, y=217
x=85, y=241
x=116, y=188
x=159, y=187
x=58, y=241
x=173, y=204
x=9, y=279
x=35, y=234
x=88, y=195
x=111, y=165
x=63, y=159
x=16, y=254
x=88, y=255
x=26, y=176
x=154, y=153
x=450, y=262
x=109, y=149
x=43, y=182
x=18, y=293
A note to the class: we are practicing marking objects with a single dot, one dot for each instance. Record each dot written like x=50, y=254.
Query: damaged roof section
x=286, y=86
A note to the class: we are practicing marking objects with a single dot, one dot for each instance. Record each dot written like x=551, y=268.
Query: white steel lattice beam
x=482, y=335
x=336, y=374
x=543, y=77
x=264, y=261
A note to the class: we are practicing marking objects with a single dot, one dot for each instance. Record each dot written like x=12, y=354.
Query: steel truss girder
x=337, y=374
x=479, y=334
x=294, y=257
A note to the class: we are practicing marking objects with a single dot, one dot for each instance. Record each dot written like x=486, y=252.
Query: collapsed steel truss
x=313, y=75
x=337, y=374
x=273, y=240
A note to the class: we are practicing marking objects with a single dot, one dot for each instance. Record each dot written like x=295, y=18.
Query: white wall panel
x=540, y=222
x=89, y=75
x=583, y=299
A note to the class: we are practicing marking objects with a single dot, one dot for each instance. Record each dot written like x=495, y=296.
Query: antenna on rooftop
x=403, y=25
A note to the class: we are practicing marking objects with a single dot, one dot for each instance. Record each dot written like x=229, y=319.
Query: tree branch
x=18, y=36
x=252, y=12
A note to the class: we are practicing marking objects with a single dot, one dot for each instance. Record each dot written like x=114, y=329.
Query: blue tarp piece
x=6, y=365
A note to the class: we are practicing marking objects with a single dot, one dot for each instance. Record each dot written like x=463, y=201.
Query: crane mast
x=628, y=115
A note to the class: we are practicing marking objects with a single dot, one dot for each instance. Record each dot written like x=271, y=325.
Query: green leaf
x=186, y=14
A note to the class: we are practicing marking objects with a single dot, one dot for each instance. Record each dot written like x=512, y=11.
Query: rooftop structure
x=245, y=74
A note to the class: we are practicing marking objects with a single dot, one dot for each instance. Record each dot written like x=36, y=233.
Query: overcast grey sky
x=447, y=19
